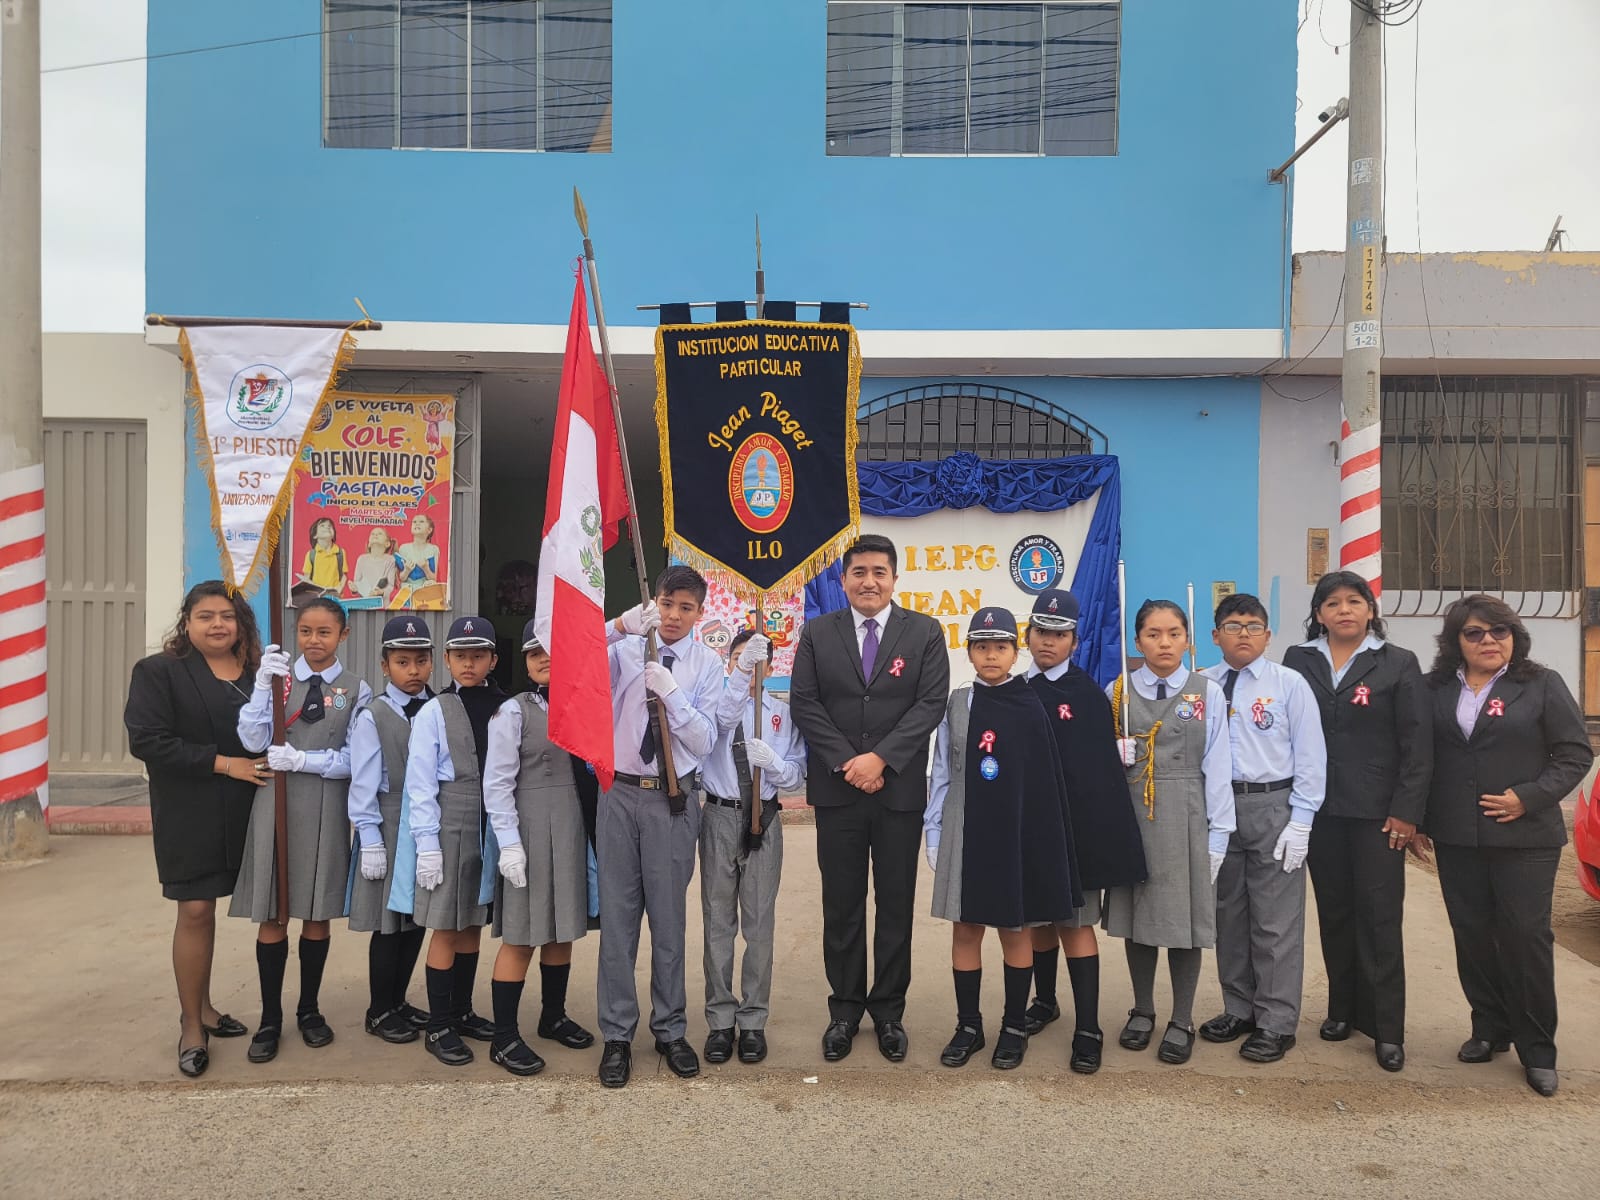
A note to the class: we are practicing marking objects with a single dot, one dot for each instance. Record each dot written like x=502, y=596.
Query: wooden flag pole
x=658, y=708
x=280, y=781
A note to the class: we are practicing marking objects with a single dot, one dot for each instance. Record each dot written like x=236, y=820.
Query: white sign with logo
x=956, y=561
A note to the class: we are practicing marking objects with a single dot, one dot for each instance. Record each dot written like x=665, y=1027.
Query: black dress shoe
x=226, y=1027
x=194, y=1061
x=1040, y=1013
x=568, y=1032
x=1334, y=1030
x=1542, y=1080
x=314, y=1030
x=1086, y=1049
x=892, y=1040
x=413, y=1016
x=1264, y=1046
x=1009, y=1048
x=681, y=1058
x=517, y=1057
x=446, y=1045
x=1136, y=1039
x=964, y=1043
x=837, y=1039
x=616, y=1065
x=1476, y=1050
x=719, y=1045
x=479, y=1029
x=1227, y=1028
x=392, y=1028
x=1391, y=1056
x=752, y=1046
x=264, y=1046
x=1176, y=1050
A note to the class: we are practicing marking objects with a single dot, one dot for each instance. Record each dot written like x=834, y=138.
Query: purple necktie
x=869, y=646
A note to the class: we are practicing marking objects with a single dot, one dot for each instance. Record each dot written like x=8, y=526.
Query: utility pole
x=1360, y=481
x=24, y=743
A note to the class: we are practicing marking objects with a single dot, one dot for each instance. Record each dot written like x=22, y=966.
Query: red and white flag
x=583, y=511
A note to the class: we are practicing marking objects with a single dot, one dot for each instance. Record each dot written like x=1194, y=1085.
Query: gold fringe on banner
x=825, y=555
x=273, y=526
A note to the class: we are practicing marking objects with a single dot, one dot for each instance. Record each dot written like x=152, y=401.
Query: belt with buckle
x=652, y=783
x=1241, y=788
x=722, y=800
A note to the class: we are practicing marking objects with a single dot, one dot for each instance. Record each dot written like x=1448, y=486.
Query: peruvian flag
x=583, y=511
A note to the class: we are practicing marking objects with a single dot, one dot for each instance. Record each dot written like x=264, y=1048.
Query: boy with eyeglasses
x=1279, y=769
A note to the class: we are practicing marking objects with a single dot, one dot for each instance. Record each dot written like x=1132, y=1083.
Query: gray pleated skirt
x=554, y=907
x=319, y=853
x=1086, y=917
x=1177, y=906
x=454, y=903
x=369, y=898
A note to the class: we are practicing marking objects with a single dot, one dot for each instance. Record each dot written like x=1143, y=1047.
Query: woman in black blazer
x=182, y=717
x=1510, y=745
x=1375, y=718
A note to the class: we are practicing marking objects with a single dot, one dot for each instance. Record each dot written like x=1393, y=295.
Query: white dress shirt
x=881, y=618
x=719, y=775
x=368, y=775
x=691, y=708
x=1054, y=674
x=502, y=763
x=255, y=722
x=1291, y=746
x=1371, y=642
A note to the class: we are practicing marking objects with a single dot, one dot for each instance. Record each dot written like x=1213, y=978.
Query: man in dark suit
x=868, y=688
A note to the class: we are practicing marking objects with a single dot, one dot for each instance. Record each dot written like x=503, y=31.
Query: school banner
x=253, y=390
x=371, y=513
x=758, y=439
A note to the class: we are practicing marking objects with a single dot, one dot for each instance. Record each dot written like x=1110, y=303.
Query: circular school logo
x=320, y=422
x=989, y=768
x=1036, y=563
x=258, y=397
x=761, y=483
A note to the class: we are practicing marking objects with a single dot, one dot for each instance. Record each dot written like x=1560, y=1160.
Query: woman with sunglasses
x=1509, y=746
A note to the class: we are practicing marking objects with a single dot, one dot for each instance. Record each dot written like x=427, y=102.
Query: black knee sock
x=463, y=975
x=313, y=958
x=272, y=959
x=1018, y=982
x=1142, y=970
x=1184, y=967
x=552, y=994
x=969, y=988
x=410, y=942
x=507, y=999
x=1044, y=973
x=383, y=957
x=440, y=994
x=1085, y=976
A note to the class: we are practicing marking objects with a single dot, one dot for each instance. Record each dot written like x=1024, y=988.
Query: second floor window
x=467, y=75
x=972, y=79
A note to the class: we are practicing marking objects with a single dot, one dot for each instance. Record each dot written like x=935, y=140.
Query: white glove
x=286, y=758
x=933, y=858
x=752, y=653
x=641, y=619
x=274, y=665
x=374, y=862
x=430, y=869
x=762, y=755
x=1128, y=751
x=1292, y=845
x=514, y=865
x=658, y=679
x=1216, y=865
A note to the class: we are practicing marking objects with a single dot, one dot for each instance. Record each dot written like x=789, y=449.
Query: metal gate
x=95, y=486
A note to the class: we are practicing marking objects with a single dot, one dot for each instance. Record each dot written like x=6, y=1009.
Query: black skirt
x=207, y=887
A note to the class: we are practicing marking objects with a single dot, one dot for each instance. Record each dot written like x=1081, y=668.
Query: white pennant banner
x=255, y=389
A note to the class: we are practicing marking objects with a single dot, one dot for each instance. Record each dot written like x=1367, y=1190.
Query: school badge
x=1191, y=705
x=341, y=699
x=989, y=768
x=1259, y=715
x=1036, y=564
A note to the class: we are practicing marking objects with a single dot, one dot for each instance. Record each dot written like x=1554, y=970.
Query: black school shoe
x=719, y=1045
x=1086, y=1049
x=1040, y=1013
x=392, y=1028
x=681, y=1058
x=964, y=1043
x=1136, y=1039
x=413, y=1016
x=1009, y=1048
x=616, y=1065
x=314, y=1029
x=479, y=1029
x=447, y=1047
x=517, y=1057
x=752, y=1045
x=226, y=1027
x=568, y=1032
x=264, y=1046
x=1176, y=1049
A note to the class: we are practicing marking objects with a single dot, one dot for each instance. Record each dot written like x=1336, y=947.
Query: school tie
x=869, y=646
x=1161, y=689
x=311, y=710
x=414, y=706
x=647, y=744
x=1227, y=686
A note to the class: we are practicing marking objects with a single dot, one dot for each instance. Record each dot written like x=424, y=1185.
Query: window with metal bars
x=932, y=422
x=1480, y=491
x=467, y=75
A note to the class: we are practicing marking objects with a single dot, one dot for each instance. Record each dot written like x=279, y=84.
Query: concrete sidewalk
x=88, y=996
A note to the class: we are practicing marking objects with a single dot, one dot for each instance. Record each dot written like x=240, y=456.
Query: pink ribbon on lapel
x=986, y=742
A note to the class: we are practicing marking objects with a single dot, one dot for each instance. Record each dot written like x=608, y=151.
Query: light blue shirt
x=720, y=776
x=427, y=766
x=368, y=775
x=1283, y=741
x=1054, y=674
x=255, y=723
x=502, y=763
x=939, y=779
x=1371, y=642
x=690, y=709
x=1216, y=764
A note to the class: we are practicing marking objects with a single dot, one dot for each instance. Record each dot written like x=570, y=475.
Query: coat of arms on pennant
x=257, y=397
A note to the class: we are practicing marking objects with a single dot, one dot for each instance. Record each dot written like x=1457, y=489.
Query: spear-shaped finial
x=582, y=213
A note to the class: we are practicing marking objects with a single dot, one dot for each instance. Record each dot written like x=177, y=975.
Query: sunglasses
x=1477, y=633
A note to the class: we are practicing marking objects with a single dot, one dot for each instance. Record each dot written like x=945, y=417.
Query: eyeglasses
x=1476, y=633
x=1254, y=629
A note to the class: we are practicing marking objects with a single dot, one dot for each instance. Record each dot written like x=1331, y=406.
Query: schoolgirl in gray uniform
x=322, y=702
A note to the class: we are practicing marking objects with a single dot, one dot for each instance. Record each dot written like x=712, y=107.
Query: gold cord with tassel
x=1149, y=740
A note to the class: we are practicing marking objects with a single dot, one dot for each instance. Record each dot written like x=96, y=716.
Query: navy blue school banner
x=964, y=481
x=757, y=421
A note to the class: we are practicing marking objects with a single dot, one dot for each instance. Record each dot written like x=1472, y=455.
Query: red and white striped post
x=1360, y=503
x=24, y=723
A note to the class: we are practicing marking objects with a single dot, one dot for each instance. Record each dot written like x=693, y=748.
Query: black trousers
x=848, y=836
x=1360, y=885
x=1499, y=904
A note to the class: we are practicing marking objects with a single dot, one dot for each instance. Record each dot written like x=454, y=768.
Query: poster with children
x=725, y=614
x=371, y=516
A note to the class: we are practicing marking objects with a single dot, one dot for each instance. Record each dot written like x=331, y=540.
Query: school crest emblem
x=989, y=768
x=1191, y=706
x=341, y=700
x=761, y=483
x=1036, y=564
x=258, y=397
